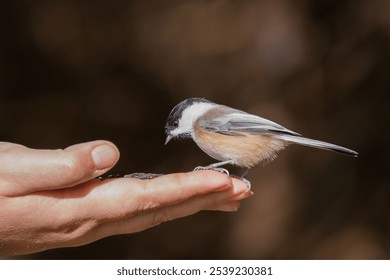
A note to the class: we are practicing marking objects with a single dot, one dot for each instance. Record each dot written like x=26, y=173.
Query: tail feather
x=317, y=144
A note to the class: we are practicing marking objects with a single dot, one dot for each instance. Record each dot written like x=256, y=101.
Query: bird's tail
x=317, y=144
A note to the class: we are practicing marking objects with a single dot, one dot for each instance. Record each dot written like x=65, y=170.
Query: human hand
x=51, y=199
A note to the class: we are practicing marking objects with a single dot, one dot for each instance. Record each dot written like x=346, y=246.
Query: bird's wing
x=235, y=122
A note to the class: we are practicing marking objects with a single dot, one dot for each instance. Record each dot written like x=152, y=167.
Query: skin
x=51, y=199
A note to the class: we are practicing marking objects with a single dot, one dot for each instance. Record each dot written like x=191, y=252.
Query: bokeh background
x=74, y=71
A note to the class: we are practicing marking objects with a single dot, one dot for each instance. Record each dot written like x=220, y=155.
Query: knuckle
x=77, y=166
x=146, y=202
x=75, y=232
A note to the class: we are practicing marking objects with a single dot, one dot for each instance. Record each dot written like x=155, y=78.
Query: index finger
x=24, y=170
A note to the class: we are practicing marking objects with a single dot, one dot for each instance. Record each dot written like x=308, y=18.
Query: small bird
x=235, y=137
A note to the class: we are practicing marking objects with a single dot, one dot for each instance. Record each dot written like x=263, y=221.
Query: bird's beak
x=169, y=137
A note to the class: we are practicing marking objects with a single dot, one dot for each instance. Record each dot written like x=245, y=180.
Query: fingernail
x=242, y=195
x=104, y=156
x=240, y=186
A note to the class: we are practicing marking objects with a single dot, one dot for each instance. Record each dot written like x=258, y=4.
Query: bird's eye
x=175, y=123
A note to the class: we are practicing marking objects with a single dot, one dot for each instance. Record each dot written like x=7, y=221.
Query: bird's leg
x=242, y=178
x=216, y=167
x=243, y=175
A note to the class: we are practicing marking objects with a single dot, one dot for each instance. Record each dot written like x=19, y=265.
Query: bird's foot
x=210, y=167
x=143, y=176
x=246, y=181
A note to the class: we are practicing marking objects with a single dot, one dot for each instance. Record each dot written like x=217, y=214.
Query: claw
x=246, y=181
x=218, y=169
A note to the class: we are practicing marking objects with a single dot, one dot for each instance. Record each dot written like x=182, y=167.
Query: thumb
x=24, y=170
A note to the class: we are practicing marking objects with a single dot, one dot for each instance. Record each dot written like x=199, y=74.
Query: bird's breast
x=246, y=150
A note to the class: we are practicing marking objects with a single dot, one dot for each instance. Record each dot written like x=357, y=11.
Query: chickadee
x=234, y=137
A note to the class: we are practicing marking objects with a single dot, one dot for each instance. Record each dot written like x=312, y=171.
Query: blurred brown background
x=73, y=71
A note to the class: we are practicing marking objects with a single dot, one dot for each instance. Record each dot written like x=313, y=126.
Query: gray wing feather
x=234, y=122
x=230, y=121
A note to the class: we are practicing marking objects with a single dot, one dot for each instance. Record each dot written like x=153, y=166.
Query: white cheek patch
x=189, y=117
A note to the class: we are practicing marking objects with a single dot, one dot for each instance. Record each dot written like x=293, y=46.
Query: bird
x=235, y=137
